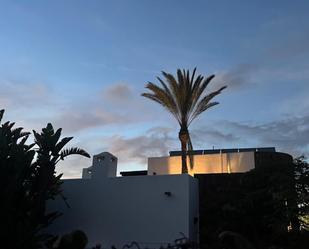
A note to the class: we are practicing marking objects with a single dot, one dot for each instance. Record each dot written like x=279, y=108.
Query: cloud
x=212, y=137
x=137, y=149
x=116, y=105
x=297, y=104
x=72, y=166
x=156, y=142
x=118, y=92
x=126, y=101
x=76, y=119
x=132, y=152
x=164, y=131
x=288, y=135
x=23, y=95
x=236, y=77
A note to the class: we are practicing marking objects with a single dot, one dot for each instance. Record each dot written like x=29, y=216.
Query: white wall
x=119, y=210
x=209, y=163
x=194, y=210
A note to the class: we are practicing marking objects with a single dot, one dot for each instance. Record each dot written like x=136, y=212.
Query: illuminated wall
x=209, y=163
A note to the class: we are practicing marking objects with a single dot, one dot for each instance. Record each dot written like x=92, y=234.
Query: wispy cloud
x=23, y=95
x=132, y=151
x=116, y=105
x=288, y=135
x=201, y=137
x=138, y=149
x=116, y=93
x=236, y=77
x=76, y=120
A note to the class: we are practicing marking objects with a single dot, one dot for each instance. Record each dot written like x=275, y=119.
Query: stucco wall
x=209, y=163
x=114, y=211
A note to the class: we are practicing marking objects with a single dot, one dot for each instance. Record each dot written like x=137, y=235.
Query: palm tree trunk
x=184, y=137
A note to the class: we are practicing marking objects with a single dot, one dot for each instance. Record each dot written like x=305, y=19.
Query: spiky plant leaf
x=7, y=125
x=30, y=146
x=73, y=151
x=61, y=144
x=1, y=114
x=37, y=138
x=48, y=130
x=24, y=140
x=56, y=136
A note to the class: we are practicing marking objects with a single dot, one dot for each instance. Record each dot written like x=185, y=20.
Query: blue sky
x=82, y=65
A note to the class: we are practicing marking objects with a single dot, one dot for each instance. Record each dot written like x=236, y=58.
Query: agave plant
x=183, y=96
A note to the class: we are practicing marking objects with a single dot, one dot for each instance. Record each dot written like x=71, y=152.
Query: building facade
x=152, y=207
x=111, y=210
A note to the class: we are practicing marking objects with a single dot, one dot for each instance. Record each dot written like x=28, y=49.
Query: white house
x=111, y=210
x=152, y=207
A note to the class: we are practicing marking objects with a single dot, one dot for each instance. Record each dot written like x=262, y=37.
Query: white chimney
x=104, y=165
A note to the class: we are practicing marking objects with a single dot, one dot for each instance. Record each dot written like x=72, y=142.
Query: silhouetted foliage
x=261, y=205
x=184, y=98
x=75, y=240
x=180, y=243
x=301, y=172
x=233, y=240
x=27, y=181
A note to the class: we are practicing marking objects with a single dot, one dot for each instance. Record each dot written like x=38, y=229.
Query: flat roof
x=217, y=151
x=134, y=173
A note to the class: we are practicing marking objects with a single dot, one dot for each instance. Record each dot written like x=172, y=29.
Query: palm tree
x=184, y=98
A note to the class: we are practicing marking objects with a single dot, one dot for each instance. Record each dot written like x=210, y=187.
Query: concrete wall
x=119, y=210
x=209, y=163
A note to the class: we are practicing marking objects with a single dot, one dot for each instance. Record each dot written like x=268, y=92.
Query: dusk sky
x=82, y=65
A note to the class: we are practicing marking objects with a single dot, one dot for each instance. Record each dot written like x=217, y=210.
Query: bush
x=27, y=181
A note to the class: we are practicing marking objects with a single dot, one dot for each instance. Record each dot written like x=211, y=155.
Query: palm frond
x=162, y=96
x=199, y=87
x=1, y=114
x=73, y=151
x=192, y=76
x=170, y=94
x=173, y=85
x=204, y=104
